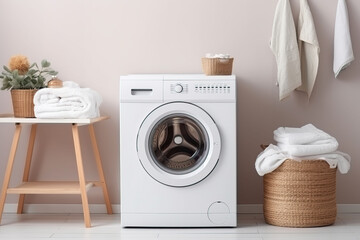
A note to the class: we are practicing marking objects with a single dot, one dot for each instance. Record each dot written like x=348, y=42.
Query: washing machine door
x=178, y=144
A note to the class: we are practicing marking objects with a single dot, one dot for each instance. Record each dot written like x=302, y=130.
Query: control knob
x=178, y=88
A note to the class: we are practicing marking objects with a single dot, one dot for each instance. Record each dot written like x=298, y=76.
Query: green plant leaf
x=6, y=84
x=15, y=84
x=4, y=74
x=15, y=73
x=32, y=71
x=29, y=85
x=7, y=69
x=45, y=63
x=53, y=73
x=20, y=78
x=35, y=78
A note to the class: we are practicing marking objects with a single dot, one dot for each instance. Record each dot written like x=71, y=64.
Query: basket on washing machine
x=300, y=194
x=217, y=66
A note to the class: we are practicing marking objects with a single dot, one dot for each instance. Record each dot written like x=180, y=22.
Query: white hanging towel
x=285, y=48
x=343, y=52
x=309, y=48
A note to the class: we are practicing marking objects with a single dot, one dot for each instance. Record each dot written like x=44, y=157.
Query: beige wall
x=93, y=42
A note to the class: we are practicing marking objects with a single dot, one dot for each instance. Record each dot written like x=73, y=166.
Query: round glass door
x=178, y=144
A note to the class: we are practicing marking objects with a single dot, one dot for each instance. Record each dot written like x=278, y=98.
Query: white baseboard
x=100, y=208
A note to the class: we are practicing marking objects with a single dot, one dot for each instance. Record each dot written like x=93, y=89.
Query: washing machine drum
x=178, y=144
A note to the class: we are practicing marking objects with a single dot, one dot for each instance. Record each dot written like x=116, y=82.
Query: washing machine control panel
x=199, y=90
x=216, y=88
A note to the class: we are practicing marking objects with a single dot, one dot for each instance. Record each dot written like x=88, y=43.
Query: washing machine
x=178, y=150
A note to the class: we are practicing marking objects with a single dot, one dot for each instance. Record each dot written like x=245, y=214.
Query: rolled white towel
x=70, y=101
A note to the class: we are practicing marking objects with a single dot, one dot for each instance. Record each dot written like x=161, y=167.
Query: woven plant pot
x=300, y=194
x=22, y=100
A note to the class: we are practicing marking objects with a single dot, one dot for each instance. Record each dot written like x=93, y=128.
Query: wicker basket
x=217, y=66
x=300, y=194
x=22, y=100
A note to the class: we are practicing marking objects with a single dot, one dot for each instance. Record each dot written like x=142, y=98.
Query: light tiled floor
x=250, y=226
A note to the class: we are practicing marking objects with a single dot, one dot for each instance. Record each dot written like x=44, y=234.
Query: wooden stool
x=53, y=187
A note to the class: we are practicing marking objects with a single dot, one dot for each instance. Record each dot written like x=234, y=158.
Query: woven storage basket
x=300, y=194
x=217, y=66
x=22, y=100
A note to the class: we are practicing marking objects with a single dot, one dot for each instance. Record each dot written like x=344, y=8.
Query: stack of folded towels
x=305, y=143
x=69, y=101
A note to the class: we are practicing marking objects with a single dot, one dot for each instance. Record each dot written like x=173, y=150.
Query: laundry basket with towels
x=218, y=64
x=300, y=194
x=300, y=177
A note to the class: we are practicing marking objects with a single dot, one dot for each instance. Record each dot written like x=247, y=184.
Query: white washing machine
x=178, y=151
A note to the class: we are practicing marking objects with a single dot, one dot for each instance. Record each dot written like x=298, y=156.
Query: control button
x=178, y=88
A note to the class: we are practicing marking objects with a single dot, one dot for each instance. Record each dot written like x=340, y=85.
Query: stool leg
x=80, y=168
x=9, y=167
x=27, y=165
x=100, y=169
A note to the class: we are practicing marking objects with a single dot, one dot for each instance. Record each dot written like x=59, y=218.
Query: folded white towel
x=317, y=148
x=285, y=48
x=269, y=160
x=343, y=51
x=309, y=48
x=70, y=101
x=307, y=134
x=305, y=141
x=335, y=159
x=272, y=157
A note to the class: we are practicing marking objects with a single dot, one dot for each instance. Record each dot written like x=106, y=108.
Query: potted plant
x=23, y=80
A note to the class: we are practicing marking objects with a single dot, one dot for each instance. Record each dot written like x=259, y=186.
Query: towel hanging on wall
x=343, y=52
x=285, y=48
x=308, y=47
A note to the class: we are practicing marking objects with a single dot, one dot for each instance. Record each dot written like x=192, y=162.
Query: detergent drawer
x=139, y=90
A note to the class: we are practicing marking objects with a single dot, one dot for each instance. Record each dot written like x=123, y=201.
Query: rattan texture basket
x=217, y=66
x=300, y=194
x=22, y=100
